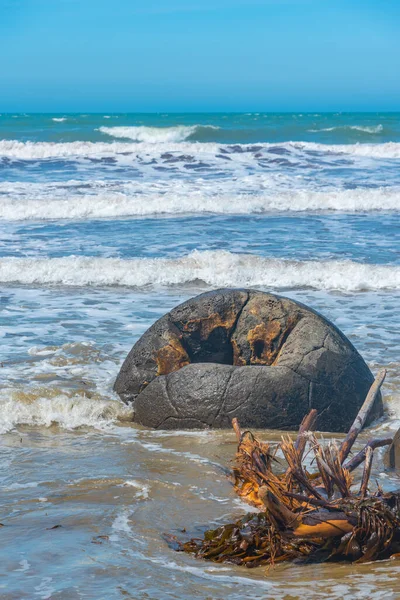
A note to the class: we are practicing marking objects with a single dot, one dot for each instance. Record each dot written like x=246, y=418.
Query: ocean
x=107, y=221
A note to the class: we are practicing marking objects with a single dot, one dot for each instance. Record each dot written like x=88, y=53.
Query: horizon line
x=204, y=112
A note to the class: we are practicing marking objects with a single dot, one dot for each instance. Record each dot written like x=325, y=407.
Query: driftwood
x=363, y=413
x=360, y=457
x=303, y=514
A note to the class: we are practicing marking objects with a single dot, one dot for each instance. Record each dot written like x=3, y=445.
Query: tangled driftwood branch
x=315, y=515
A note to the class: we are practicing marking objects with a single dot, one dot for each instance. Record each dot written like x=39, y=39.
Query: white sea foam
x=186, y=199
x=213, y=574
x=362, y=128
x=386, y=150
x=179, y=133
x=41, y=150
x=24, y=566
x=212, y=268
x=67, y=412
x=21, y=486
x=121, y=521
x=59, y=119
x=376, y=129
x=143, y=489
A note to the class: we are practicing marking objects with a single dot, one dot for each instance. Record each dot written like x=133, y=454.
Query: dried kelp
x=312, y=514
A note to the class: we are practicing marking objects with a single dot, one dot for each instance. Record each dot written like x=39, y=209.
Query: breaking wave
x=41, y=150
x=179, y=133
x=115, y=204
x=385, y=150
x=213, y=268
x=67, y=412
x=363, y=129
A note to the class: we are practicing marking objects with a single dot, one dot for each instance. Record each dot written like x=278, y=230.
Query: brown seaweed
x=303, y=514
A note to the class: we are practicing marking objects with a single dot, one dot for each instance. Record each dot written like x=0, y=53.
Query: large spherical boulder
x=264, y=359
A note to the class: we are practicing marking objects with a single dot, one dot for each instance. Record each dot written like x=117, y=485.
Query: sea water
x=106, y=222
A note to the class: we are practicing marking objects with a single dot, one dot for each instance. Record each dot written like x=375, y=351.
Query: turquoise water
x=108, y=221
x=229, y=128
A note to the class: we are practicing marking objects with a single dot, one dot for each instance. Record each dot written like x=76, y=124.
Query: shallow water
x=86, y=519
x=104, y=230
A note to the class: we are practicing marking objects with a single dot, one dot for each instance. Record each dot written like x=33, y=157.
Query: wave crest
x=42, y=150
x=138, y=133
x=361, y=128
x=213, y=268
x=185, y=200
x=68, y=412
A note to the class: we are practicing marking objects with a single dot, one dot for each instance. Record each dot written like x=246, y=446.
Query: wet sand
x=95, y=529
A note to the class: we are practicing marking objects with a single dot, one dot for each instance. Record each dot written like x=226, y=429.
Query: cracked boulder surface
x=262, y=358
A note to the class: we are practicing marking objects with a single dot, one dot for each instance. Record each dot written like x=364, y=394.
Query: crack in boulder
x=302, y=360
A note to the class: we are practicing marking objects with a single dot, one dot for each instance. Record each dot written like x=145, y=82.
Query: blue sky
x=199, y=55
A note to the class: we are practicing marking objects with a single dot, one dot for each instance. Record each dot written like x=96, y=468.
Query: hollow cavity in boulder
x=260, y=357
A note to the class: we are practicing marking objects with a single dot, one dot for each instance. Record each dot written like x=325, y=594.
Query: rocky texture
x=391, y=457
x=259, y=357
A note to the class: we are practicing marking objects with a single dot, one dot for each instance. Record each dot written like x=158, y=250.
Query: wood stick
x=307, y=424
x=277, y=509
x=303, y=481
x=236, y=427
x=318, y=452
x=360, y=457
x=324, y=475
x=360, y=419
x=369, y=453
x=309, y=500
x=340, y=484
